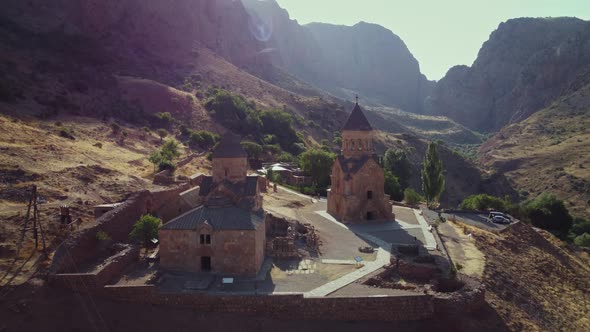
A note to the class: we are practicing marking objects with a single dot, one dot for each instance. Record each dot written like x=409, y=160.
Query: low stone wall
x=415, y=271
x=113, y=267
x=456, y=303
x=164, y=178
x=387, y=308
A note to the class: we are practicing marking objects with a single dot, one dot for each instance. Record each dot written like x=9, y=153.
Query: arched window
x=360, y=144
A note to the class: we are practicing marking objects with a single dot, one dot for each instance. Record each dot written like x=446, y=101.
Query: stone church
x=226, y=233
x=357, y=194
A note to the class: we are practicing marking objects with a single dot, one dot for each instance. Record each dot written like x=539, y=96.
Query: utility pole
x=37, y=226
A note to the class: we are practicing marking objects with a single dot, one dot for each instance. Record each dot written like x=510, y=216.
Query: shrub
x=286, y=157
x=548, y=212
x=269, y=139
x=184, y=130
x=279, y=123
x=165, y=119
x=162, y=133
x=411, y=197
x=583, y=240
x=169, y=149
x=103, y=236
x=232, y=111
x=203, y=139
x=484, y=202
x=162, y=159
x=272, y=148
x=115, y=128
x=66, y=132
x=309, y=190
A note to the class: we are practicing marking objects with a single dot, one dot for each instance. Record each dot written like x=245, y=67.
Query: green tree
x=398, y=164
x=548, y=212
x=162, y=133
x=162, y=159
x=155, y=158
x=411, y=197
x=579, y=227
x=318, y=164
x=286, y=157
x=280, y=124
x=252, y=149
x=392, y=186
x=203, y=139
x=433, y=178
x=484, y=202
x=145, y=229
x=169, y=149
x=164, y=119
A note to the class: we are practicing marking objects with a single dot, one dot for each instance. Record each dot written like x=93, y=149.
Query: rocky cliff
x=364, y=59
x=525, y=65
x=550, y=150
x=170, y=29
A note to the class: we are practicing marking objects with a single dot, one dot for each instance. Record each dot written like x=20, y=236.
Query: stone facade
x=231, y=252
x=226, y=234
x=357, y=194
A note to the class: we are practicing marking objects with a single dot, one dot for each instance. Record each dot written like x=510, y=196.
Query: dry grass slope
x=548, y=152
x=532, y=282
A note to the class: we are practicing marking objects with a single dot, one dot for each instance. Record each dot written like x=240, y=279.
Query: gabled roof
x=357, y=120
x=226, y=218
x=229, y=147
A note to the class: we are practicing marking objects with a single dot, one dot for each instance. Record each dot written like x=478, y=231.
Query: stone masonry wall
x=86, y=281
x=117, y=223
x=388, y=308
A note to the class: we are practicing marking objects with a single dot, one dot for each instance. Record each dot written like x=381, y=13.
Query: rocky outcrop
x=364, y=59
x=524, y=66
x=170, y=29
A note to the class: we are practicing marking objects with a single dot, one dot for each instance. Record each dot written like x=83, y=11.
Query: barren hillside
x=533, y=281
x=550, y=151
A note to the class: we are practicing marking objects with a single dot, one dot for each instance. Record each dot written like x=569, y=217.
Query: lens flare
x=261, y=30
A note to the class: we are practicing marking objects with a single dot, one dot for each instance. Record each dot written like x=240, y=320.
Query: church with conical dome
x=357, y=193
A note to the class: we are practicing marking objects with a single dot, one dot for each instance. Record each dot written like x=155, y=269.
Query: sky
x=439, y=33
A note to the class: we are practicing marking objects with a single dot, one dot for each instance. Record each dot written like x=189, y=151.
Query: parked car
x=500, y=220
x=496, y=213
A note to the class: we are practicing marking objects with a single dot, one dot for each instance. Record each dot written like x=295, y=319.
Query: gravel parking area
x=470, y=218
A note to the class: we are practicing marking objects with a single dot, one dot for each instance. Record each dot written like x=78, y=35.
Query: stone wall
x=112, y=268
x=469, y=299
x=232, y=169
x=292, y=306
x=232, y=252
x=117, y=223
x=164, y=178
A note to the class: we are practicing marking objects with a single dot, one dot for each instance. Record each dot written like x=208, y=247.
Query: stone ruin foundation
x=289, y=239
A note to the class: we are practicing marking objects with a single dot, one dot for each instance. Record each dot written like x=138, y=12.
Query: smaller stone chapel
x=357, y=194
x=226, y=232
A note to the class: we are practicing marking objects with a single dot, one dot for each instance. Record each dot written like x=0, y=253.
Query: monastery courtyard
x=337, y=270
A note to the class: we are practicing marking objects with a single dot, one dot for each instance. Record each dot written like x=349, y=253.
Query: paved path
x=430, y=241
x=332, y=286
